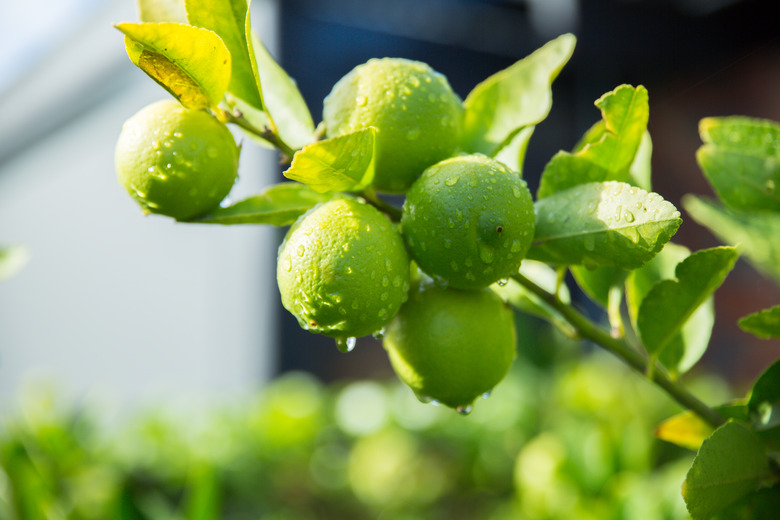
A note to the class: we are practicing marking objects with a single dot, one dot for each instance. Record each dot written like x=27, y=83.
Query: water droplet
x=589, y=243
x=454, y=266
x=346, y=344
x=425, y=399
x=447, y=243
x=379, y=334
x=211, y=152
x=464, y=410
x=452, y=181
x=618, y=212
x=502, y=282
x=287, y=263
x=414, y=81
x=361, y=101
x=301, y=250
x=486, y=394
x=177, y=135
x=770, y=185
x=629, y=216
x=384, y=296
x=486, y=254
x=413, y=133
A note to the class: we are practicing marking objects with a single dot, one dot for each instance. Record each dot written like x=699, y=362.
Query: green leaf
x=764, y=503
x=764, y=406
x=513, y=154
x=765, y=324
x=670, y=303
x=192, y=64
x=602, y=223
x=687, y=347
x=343, y=163
x=525, y=301
x=281, y=98
x=730, y=465
x=277, y=205
x=228, y=20
x=755, y=232
x=12, y=259
x=688, y=430
x=741, y=160
x=203, y=500
x=640, y=172
x=514, y=98
x=608, y=149
x=162, y=11
x=598, y=282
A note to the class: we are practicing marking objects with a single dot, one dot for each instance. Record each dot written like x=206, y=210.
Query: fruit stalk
x=620, y=348
x=265, y=133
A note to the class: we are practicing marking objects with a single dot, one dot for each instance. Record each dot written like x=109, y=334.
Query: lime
x=176, y=161
x=469, y=220
x=450, y=345
x=417, y=116
x=343, y=270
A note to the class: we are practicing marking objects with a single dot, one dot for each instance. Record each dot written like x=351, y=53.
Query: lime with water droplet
x=409, y=134
x=451, y=345
x=200, y=164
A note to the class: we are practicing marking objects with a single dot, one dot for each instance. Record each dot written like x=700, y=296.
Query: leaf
x=513, y=154
x=343, y=163
x=640, y=171
x=608, y=148
x=764, y=406
x=762, y=504
x=525, y=301
x=192, y=64
x=730, y=465
x=756, y=233
x=764, y=324
x=281, y=97
x=278, y=205
x=688, y=430
x=741, y=160
x=609, y=223
x=228, y=20
x=12, y=259
x=670, y=303
x=513, y=98
x=687, y=347
x=162, y=11
x=597, y=282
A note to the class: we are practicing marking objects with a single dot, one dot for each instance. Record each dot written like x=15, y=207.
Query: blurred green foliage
x=556, y=440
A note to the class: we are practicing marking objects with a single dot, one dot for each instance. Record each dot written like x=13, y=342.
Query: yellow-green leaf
x=191, y=63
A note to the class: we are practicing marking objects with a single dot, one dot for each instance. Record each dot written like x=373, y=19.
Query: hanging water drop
x=486, y=394
x=464, y=410
x=502, y=282
x=346, y=344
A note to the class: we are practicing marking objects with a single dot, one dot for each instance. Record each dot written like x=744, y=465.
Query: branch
x=265, y=133
x=383, y=206
x=620, y=348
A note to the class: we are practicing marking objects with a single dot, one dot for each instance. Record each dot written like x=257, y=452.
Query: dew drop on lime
x=346, y=344
x=379, y=334
x=301, y=250
x=361, y=101
x=452, y=181
x=502, y=282
x=413, y=133
x=464, y=410
x=486, y=394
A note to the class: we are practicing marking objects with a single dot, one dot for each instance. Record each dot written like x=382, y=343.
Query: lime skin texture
x=450, y=345
x=469, y=221
x=343, y=270
x=176, y=161
x=417, y=116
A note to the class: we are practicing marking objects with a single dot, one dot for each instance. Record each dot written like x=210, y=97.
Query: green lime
x=417, y=116
x=451, y=346
x=343, y=270
x=176, y=161
x=469, y=220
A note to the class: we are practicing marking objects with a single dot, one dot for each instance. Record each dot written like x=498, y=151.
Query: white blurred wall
x=138, y=309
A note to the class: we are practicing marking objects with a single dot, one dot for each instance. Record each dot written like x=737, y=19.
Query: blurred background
x=120, y=313
x=140, y=308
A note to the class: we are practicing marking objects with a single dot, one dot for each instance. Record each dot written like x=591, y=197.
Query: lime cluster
x=467, y=222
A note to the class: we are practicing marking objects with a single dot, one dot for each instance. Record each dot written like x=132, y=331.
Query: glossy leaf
x=741, y=160
x=748, y=229
x=640, y=171
x=765, y=324
x=513, y=154
x=609, y=223
x=608, y=149
x=513, y=98
x=228, y=20
x=764, y=406
x=730, y=465
x=688, y=430
x=688, y=345
x=670, y=303
x=281, y=97
x=343, y=163
x=12, y=259
x=525, y=301
x=162, y=11
x=192, y=64
x=277, y=205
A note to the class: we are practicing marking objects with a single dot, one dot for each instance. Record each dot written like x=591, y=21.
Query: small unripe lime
x=176, y=161
x=416, y=114
x=469, y=220
x=343, y=270
x=451, y=346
